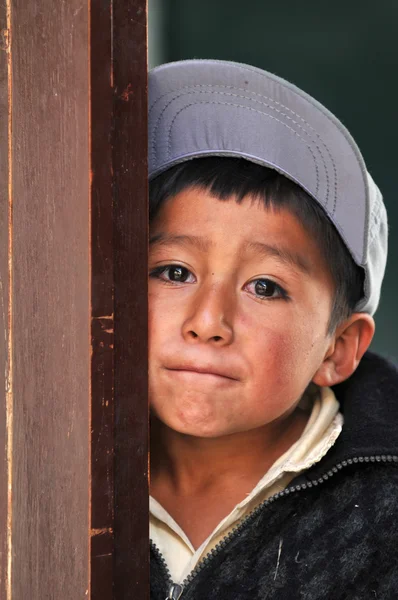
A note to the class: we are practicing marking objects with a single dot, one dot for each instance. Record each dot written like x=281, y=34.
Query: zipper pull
x=175, y=591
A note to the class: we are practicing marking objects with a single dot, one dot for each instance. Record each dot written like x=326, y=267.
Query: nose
x=210, y=317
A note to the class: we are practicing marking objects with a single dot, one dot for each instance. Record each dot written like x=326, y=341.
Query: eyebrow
x=294, y=259
x=167, y=239
x=285, y=255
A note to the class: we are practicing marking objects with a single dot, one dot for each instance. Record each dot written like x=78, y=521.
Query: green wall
x=344, y=53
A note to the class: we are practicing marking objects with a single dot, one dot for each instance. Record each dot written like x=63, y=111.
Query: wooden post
x=73, y=300
x=4, y=293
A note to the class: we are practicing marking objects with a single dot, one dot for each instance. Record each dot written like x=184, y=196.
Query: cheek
x=274, y=359
x=285, y=353
x=161, y=318
x=270, y=336
x=153, y=318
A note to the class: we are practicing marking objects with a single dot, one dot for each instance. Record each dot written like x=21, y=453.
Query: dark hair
x=225, y=177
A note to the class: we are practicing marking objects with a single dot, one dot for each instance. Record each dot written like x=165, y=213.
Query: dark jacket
x=333, y=533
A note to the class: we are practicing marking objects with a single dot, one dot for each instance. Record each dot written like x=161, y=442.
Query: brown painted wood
x=119, y=543
x=73, y=322
x=4, y=284
x=102, y=305
x=131, y=272
x=50, y=300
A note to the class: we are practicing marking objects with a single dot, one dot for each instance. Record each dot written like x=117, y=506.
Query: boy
x=274, y=445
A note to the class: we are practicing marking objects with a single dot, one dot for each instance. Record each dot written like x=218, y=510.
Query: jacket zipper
x=175, y=590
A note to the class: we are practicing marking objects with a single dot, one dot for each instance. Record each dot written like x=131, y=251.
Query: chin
x=199, y=428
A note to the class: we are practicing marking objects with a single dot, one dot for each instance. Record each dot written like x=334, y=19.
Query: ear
x=349, y=343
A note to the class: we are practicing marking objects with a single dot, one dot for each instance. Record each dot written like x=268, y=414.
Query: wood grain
x=119, y=548
x=131, y=272
x=102, y=302
x=4, y=289
x=50, y=296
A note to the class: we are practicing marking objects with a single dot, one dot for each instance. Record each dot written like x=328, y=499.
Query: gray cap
x=203, y=108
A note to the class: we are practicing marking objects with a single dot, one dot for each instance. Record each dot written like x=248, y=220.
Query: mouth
x=199, y=370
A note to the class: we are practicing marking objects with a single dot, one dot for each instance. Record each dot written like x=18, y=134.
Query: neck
x=189, y=465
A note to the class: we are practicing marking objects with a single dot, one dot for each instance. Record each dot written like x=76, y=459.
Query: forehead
x=196, y=219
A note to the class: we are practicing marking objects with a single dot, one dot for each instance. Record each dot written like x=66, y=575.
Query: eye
x=266, y=288
x=173, y=274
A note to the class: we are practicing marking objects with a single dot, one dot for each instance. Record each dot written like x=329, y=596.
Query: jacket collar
x=369, y=403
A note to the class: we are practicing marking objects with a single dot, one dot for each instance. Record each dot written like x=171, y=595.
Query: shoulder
x=367, y=487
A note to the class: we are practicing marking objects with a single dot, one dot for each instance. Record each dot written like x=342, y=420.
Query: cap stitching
x=251, y=92
x=331, y=118
x=253, y=110
x=181, y=93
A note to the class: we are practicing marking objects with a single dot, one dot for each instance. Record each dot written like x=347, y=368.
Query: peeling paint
x=5, y=40
x=103, y=317
x=101, y=531
x=127, y=93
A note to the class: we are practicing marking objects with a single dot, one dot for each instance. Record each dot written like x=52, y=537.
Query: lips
x=204, y=369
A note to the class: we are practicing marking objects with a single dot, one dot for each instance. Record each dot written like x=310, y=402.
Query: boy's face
x=239, y=306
